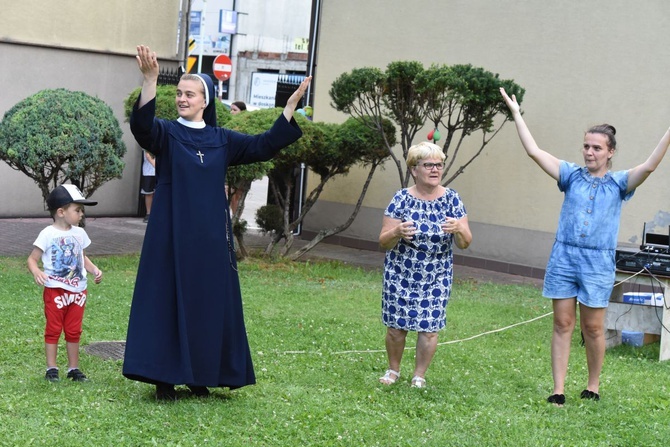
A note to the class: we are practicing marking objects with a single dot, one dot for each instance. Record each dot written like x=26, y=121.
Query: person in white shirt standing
x=148, y=183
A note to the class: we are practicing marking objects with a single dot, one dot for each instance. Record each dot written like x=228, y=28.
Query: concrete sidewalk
x=124, y=235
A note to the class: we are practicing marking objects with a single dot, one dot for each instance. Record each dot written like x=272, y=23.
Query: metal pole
x=301, y=197
x=233, y=61
x=202, y=34
x=312, y=44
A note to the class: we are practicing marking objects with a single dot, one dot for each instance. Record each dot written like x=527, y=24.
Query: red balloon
x=430, y=134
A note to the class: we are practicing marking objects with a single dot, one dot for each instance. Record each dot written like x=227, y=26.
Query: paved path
x=123, y=235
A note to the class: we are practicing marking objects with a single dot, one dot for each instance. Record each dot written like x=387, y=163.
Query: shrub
x=270, y=219
x=59, y=136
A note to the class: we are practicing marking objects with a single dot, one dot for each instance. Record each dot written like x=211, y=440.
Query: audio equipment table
x=657, y=262
x=648, y=319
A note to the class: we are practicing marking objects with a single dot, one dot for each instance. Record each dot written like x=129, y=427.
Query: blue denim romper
x=582, y=262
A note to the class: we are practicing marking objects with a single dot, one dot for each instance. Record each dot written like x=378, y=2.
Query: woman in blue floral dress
x=418, y=229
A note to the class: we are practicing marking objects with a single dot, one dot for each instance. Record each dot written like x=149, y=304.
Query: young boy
x=60, y=247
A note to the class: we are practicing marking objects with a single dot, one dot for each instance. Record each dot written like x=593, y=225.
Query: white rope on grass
x=375, y=351
x=495, y=330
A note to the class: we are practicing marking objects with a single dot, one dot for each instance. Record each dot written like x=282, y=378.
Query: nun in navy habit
x=186, y=322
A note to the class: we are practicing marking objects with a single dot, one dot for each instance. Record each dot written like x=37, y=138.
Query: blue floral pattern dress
x=418, y=273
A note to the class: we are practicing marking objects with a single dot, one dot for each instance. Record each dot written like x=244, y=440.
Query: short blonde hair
x=423, y=150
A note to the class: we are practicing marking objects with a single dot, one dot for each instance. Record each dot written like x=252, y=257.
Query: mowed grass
x=318, y=348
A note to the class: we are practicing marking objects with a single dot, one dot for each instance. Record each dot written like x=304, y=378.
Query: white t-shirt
x=63, y=257
x=148, y=169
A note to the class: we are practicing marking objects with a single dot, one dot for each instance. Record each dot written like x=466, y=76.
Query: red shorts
x=64, y=312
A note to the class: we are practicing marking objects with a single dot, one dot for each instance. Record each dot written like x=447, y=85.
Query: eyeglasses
x=430, y=166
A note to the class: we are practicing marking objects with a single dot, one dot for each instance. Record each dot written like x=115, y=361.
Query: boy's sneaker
x=52, y=375
x=77, y=376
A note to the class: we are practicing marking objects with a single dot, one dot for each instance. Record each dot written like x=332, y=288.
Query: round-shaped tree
x=57, y=136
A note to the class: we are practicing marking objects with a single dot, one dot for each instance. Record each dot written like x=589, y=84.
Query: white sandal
x=388, y=379
x=418, y=382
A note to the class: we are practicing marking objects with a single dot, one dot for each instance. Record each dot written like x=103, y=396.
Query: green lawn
x=318, y=349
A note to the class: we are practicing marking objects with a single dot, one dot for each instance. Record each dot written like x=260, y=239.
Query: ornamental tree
x=352, y=143
x=463, y=100
x=59, y=136
x=328, y=150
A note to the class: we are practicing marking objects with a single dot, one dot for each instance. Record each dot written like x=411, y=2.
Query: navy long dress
x=186, y=322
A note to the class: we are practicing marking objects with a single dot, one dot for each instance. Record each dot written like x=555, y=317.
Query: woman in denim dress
x=581, y=266
x=419, y=226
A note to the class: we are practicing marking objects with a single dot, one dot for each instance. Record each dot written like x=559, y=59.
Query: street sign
x=222, y=67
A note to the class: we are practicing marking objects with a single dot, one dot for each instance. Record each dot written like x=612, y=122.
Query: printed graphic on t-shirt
x=66, y=260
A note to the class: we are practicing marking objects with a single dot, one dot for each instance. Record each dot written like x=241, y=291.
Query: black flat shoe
x=165, y=391
x=558, y=399
x=586, y=394
x=199, y=391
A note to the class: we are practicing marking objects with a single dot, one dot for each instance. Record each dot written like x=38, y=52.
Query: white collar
x=191, y=124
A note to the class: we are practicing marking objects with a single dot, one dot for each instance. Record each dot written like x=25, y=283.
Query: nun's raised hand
x=147, y=61
x=295, y=98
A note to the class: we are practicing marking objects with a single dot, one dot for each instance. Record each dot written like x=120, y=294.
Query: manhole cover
x=108, y=350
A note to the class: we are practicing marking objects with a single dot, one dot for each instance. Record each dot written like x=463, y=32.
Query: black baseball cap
x=65, y=194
